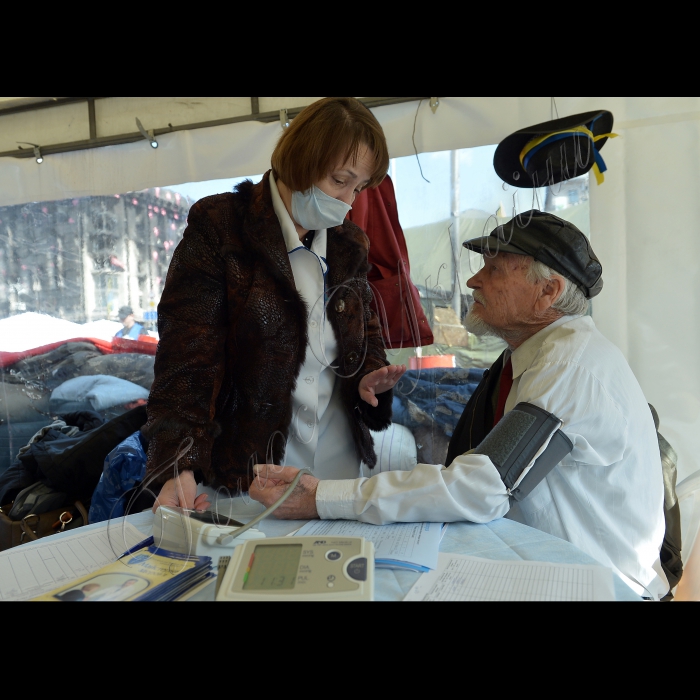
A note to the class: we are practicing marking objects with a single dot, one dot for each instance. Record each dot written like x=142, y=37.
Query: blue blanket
x=429, y=402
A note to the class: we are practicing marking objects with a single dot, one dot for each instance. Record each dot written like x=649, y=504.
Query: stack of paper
x=412, y=546
x=462, y=578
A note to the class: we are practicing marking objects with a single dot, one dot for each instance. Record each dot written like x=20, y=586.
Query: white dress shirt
x=605, y=497
x=319, y=438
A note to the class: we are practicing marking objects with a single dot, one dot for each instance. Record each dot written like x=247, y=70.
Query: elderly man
x=558, y=435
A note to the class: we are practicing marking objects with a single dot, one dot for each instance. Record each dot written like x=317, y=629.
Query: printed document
x=149, y=574
x=461, y=578
x=34, y=568
x=411, y=546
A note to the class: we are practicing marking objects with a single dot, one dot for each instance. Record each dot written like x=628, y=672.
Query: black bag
x=38, y=511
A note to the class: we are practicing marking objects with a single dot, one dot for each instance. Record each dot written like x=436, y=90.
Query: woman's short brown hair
x=324, y=135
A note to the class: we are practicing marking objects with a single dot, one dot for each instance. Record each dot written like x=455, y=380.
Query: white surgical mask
x=315, y=210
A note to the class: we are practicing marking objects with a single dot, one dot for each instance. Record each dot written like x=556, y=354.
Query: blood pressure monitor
x=300, y=568
x=197, y=532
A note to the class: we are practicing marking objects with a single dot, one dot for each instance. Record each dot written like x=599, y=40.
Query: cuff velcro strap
x=515, y=443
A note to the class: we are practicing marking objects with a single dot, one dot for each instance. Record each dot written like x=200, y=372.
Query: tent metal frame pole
x=91, y=118
x=46, y=105
x=98, y=142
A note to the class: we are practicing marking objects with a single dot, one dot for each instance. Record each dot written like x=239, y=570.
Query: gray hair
x=571, y=302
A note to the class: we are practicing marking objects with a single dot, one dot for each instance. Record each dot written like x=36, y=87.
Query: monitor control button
x=333, y=555
x=357, y=569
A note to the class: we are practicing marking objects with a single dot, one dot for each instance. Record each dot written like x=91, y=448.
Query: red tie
x=504, y=390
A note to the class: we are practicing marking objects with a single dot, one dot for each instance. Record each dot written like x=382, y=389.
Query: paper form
x=462, y=578
x=31, y=569
x=416, y=544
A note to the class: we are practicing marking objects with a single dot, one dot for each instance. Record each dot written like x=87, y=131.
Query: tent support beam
x=118, y=139
x=91, y=118
x=54, y=102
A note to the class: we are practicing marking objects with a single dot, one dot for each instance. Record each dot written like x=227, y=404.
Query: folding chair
x=688, y=493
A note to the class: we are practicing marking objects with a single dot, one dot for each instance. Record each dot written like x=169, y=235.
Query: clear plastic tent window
x=68, y=267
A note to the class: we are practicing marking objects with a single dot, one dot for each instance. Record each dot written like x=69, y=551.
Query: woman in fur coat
x=269, y=352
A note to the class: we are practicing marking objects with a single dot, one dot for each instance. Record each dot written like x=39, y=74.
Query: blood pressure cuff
x=516, y=440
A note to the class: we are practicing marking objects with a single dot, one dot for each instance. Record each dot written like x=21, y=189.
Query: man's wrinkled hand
x=272, y=482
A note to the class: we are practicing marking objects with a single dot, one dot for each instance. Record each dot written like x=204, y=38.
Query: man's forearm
x=471, y=489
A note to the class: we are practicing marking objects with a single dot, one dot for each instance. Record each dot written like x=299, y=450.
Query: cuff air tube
x=515, y=442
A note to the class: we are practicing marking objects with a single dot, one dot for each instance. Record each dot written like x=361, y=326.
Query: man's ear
x=550, y=291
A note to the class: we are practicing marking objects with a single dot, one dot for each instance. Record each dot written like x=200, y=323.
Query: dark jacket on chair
x=233, y=337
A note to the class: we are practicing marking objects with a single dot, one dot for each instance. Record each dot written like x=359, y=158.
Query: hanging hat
x=554, y=151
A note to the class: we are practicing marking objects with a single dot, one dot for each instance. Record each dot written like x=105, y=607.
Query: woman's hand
x=379, y=381
x=182, y=492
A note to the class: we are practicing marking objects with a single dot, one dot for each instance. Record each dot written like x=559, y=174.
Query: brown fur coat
x=233, y=337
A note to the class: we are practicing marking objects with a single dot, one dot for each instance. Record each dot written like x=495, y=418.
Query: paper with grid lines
x=38, y=567
x=463, y=578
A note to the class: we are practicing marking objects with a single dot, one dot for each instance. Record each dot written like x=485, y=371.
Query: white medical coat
x=319, y=438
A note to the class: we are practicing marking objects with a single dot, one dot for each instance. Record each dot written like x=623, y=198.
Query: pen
x=144, y=543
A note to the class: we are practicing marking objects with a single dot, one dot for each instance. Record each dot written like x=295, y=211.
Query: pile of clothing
x=429, y=402
x=72, y=378
x=62, y=414
x=66, y=457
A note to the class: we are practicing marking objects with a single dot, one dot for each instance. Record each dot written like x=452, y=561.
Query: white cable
x=226, y=538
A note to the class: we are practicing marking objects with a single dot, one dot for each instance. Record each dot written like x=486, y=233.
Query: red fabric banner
x=396, y=298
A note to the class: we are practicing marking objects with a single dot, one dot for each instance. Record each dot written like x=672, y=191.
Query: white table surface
x=500, y=539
